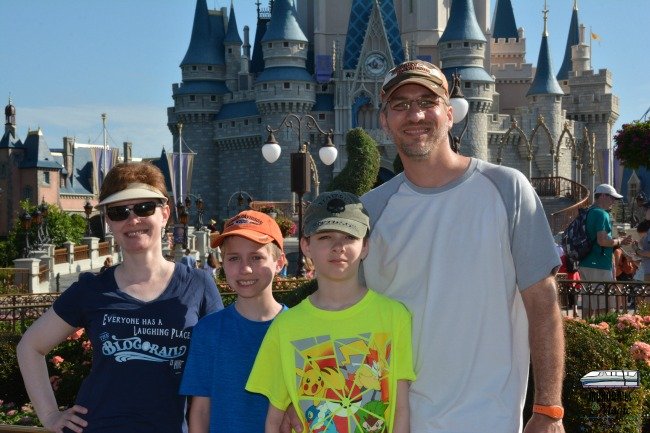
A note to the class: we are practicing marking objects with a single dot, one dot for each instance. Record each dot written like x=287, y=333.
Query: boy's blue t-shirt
x=139, y=348
x=223, y=350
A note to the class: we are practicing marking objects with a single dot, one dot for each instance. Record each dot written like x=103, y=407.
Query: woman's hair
x=123, y=174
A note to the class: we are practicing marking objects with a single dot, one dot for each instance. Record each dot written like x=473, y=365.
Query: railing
x=566, y=188
x=18, y=311
x=81, y=252
x=103, y=248
x=60, y=256
x=602, y=296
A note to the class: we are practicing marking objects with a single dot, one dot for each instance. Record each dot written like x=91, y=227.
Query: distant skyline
x=65, y=62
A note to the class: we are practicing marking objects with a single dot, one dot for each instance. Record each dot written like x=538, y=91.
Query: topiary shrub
x=360, y=173
x=598, y=410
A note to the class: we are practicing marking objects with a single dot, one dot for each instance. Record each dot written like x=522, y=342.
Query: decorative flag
x=181, y=184
x=97, y=155
x=324, y=68
x=595, y=37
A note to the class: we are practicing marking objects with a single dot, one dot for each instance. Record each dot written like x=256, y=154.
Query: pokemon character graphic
x=343, y=385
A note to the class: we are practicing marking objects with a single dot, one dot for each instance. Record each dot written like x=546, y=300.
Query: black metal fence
x=589, y=298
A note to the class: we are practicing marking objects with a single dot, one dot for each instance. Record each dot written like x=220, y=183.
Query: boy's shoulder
x=216, y=317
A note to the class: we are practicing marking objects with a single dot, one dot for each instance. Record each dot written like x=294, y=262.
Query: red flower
x=56, y=360
x=77, y=334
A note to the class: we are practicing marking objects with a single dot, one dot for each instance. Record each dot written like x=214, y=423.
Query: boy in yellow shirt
x=342, y=357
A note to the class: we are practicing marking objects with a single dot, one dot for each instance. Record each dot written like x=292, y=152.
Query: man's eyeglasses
x=405, y=104
x=144, y=209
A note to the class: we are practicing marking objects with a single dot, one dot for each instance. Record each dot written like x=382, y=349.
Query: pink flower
x=12, y=412
x=56, y=360
x=640, y=351
x=602, y=326
x=77, y=334
x=86, y=346
x=629, y=321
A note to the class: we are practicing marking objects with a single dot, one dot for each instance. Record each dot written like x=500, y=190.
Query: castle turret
x=545, y=100
x=573, y=38
x=232, y=44
x=462, y=51
x=10, y=119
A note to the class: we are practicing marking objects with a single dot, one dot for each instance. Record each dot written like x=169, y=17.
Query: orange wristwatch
x=555, y=412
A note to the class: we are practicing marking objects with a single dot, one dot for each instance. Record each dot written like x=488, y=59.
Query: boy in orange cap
x=224, y=346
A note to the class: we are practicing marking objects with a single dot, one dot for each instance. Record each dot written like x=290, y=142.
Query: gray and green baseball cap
x=336, y=210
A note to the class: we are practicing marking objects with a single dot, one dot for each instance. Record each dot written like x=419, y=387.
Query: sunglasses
x=144, y=209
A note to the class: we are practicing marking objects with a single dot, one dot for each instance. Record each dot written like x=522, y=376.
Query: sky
x=66, y=62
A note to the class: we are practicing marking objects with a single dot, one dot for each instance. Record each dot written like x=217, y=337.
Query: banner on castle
x=324, y=68
x=98, y=155
x=180, y=173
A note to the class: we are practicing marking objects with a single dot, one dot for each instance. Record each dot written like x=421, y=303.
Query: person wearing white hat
x=597, y=265
x=138, y=316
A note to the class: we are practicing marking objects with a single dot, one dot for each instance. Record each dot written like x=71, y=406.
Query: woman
x=211, y=265
x=138, y=316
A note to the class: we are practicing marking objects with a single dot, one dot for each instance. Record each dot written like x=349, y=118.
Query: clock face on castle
x=376, y=64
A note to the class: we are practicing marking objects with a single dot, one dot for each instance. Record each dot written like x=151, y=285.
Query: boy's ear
x=280, y=262
x=304, y=246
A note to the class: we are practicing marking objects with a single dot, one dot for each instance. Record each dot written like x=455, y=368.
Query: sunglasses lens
x=120, y=213
x=144, y=209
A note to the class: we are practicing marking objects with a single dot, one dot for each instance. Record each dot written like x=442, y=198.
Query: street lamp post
x=243, y=198
x=300, y=166
x=182, y=220
x=461, y=106
x=88, y=209
x=26, y=220
x=198, y=202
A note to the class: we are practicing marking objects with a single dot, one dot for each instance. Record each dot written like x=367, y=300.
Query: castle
x=312, y=59
x=309, y=58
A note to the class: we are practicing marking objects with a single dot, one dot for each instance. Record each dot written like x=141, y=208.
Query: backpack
x=575, y=241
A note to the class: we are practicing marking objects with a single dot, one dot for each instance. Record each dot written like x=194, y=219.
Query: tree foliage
x=359, y=174
x=61, y=227
x=633, y=144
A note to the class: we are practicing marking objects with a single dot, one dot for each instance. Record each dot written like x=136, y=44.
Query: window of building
x=220, y=125
x=245, y=121
x=232, y=124
x=28, y=193
x=229, y=50
x=213, y=98
x=321, y=116
x=46, y=177
x=192, y=98
x=259, y=120
x=286, y=85
x=270, y=45
x=265, y=86
x=308, y=86
x=467, y=84
x=194, y=68
x=285, y=44
x=465, y=44
x=209, y=68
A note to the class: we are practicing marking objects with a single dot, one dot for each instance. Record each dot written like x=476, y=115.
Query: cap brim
x=354, y=228
x=251, y=235
x=435, y=88
x=131, y=194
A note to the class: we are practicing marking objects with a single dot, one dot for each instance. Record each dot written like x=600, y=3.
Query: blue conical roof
x=37, y=153
x=232, y=34
x=544, y=82
x=257, y=61
x=284, y=23
x=358, y=25
x=503, y=22
x=462, y=24
x=572, y=39
x=202, y=49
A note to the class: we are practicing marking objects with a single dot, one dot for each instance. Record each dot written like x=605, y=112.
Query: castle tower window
x=213, y=98
x=232, y=124
x=229, y=50
x=467, y=84
x=308, y=87
x=209, y=68
x=220, y=125
x=245, y=121
x=270, y=45
x=286, y=85
x=46, y=177
x=194, y=68
x=265, y=86
x=285, y=44
x=321, y=116
x=192, y=98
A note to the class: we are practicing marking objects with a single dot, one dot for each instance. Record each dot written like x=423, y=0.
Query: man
x=467, y=247
x=597, y=266
x=188, y=259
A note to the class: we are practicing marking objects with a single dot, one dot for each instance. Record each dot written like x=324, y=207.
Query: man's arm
x=546, y=337
x=273, y=419
x=402, y=424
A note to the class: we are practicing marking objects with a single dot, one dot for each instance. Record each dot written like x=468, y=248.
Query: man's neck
x=435, y=171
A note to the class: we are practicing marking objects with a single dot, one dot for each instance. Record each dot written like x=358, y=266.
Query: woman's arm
x=39, y=339
x=273, y=419
x=200, y=414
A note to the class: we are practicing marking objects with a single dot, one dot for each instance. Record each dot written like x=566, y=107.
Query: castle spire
x=202, y=50
x=544, y=82
x=232, y=34
x=284, y=23
x=573, y=38
x=503, y=21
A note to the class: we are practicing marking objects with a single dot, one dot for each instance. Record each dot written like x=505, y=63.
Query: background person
x=598, y=264
x=138, y=315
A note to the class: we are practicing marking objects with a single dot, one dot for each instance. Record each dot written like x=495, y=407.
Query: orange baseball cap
x=252, y=225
